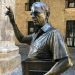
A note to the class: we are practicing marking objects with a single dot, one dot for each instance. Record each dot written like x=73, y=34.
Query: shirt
x=49, y=45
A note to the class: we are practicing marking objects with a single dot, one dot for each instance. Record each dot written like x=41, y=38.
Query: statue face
x=38, y=18
x=39, y=13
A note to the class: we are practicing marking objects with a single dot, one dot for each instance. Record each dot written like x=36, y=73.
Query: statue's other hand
x=10, y=14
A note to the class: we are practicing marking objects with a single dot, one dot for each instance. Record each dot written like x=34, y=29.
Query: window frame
x=68, y=4
x=70, y=33
x=29, y=4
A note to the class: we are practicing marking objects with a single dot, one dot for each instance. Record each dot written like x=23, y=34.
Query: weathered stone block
x=10, y=62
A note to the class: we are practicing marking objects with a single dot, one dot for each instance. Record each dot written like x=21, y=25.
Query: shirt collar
x=46, y=27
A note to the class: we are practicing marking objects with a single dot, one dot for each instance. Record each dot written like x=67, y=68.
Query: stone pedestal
x=10, y=59
x=10, y=62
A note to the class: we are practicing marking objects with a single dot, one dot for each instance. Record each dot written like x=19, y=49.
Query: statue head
x=40, y=13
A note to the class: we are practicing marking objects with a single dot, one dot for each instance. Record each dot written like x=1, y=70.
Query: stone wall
x=58, y=15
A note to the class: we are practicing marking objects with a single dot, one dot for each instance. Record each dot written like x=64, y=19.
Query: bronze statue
x=47, y=42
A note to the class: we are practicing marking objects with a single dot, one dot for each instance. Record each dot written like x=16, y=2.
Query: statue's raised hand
x=10, y=14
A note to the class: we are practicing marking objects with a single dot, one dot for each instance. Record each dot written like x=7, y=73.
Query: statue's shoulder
x=52, y=29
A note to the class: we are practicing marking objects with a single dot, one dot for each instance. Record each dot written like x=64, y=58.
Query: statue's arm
x=60, y=54
x=18, y=34
x=21, y=38
x=60, y=66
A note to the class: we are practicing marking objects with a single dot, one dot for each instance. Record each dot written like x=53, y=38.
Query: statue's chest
x=41, y=42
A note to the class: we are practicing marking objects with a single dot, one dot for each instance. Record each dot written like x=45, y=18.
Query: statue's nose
x=32, y=14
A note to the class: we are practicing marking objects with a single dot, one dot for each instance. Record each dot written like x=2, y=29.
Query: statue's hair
x=42, y=6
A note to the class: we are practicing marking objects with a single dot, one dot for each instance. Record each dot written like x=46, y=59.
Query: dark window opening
x=70, y=33
x=29, y=4
x=70, y=3
x=32, y=28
